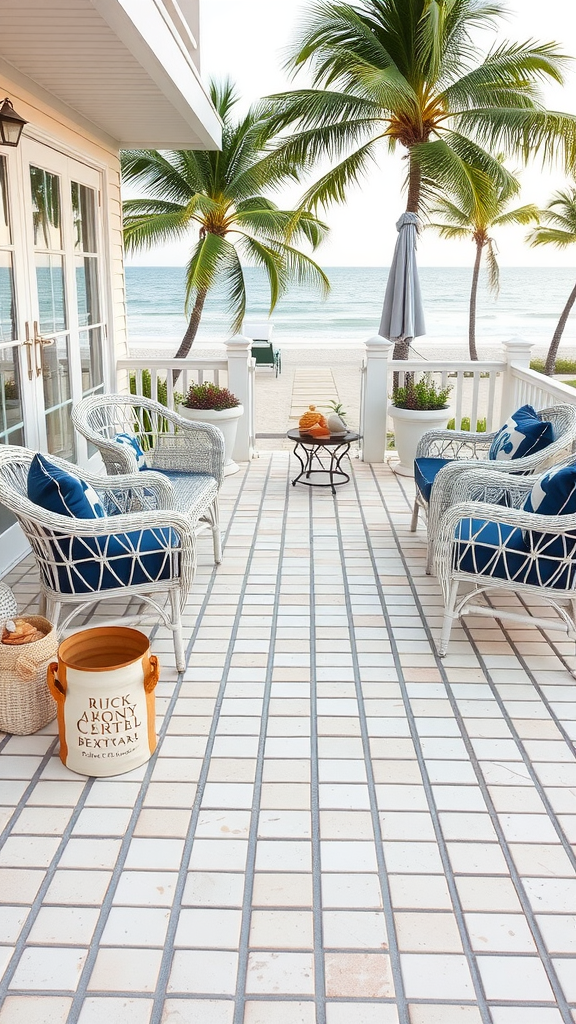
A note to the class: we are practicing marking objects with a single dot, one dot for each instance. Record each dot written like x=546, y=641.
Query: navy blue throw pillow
x=554, y=494
x=58, y=491
x=523, y=434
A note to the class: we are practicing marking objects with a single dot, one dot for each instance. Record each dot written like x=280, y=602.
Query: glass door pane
x=11, y=410
x=52, y=330
x=91, y=326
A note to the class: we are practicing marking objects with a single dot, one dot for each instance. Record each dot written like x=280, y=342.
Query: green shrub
x=480, y=425
x=561, y=366
x=420, y=395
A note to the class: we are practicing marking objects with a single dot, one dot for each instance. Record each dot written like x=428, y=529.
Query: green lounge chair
x=266, y=355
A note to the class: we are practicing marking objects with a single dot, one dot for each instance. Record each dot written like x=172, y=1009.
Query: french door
x=52, y=315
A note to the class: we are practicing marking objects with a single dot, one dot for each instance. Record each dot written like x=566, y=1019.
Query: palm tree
x=460, y=221
x=560, y=230
x=409, y=72
x=221, y=195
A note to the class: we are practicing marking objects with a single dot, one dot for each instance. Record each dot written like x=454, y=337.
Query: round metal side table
x=322, y=456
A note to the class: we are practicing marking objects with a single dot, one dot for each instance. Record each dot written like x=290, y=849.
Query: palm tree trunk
x=191, y=331
x=473, y=297
x=414, y=187
x=402, y=348
x=555, y=343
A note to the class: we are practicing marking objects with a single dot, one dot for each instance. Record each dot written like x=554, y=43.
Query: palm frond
x=452, y=213
x=302, y=268
x=492, y=267
x=332, y=186
x=327, y=31
x=146, y=229
x=295, y=225
x=523, y=132
x=542, y=235
x=445, y=172
x=268, y=257
x=450, y=231
x=509, y=76
x=527, y=214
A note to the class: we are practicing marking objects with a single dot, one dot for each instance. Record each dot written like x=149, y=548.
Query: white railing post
x=518, y=353
x=239, y=383
x=375, y=394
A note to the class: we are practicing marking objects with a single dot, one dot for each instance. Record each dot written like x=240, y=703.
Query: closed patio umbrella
x=403, y=314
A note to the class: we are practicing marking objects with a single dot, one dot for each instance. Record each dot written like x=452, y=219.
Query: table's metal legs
x=312, y=453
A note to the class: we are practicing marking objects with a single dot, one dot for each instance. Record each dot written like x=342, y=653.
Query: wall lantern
x=11, y=124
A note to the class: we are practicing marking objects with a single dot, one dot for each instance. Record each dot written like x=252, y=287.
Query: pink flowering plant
x=210, y=396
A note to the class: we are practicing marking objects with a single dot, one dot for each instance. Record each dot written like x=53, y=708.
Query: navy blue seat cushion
x=106, y=563
x=523, y=434
x=129, y=441
x=425, y=473
x=554, y=494
x=58, y=491
x=501, y=551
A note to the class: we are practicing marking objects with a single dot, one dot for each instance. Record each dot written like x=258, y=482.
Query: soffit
x=93, y=56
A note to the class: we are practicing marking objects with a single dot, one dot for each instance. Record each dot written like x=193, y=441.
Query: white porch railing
x=480, y=390
x=235, y=372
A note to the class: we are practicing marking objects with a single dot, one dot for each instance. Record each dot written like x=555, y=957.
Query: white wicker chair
x=79, y=560
x=189, y=454
x=465, y=449
x=486, y=539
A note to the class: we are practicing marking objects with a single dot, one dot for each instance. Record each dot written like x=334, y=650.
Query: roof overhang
x=124, y=66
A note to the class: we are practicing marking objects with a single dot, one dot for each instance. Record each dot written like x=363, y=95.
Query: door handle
x=40, y=342
x=28, y=344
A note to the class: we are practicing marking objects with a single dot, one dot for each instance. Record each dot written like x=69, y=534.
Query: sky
x=247, y=40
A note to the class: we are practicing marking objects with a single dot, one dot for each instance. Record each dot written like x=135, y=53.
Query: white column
x=240, y=384
x=518, y=353
x=373, y=415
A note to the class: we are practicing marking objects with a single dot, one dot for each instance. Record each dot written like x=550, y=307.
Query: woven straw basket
x=26, y=703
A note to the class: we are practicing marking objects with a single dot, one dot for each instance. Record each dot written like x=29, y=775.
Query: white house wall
x=49, y=126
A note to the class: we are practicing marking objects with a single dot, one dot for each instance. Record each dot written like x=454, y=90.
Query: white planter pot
x=227, y=421
x=409, y=426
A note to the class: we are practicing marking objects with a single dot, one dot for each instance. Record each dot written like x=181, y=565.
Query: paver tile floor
x=337, y=827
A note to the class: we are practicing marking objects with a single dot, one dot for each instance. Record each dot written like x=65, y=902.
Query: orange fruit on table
x=312, y=418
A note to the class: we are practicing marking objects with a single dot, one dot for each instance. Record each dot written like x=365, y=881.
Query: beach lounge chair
x=263, y=350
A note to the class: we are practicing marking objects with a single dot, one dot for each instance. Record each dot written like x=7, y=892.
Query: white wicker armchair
x=143, y=548
x=487, y=539
x=466, y=450
x=189, y=454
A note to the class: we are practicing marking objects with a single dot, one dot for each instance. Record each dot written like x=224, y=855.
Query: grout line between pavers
x=36, y=905
x=317, y=921
x=442, y=847
x=518, y=740
x=557, y=989
x=19, y=807
x=82, y=987
x=568, y=849
x=244, y=944
x=166, y=964
x=393, y=946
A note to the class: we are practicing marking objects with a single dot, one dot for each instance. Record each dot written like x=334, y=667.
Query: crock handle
x=153, y=675
x=54, y=684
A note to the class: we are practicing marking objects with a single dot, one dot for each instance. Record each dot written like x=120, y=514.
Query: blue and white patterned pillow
x=58, y=491
x=523, y=434
x=132, y=442
x=554, y=494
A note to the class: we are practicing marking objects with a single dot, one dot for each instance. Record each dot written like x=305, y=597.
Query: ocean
x=529, y=305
